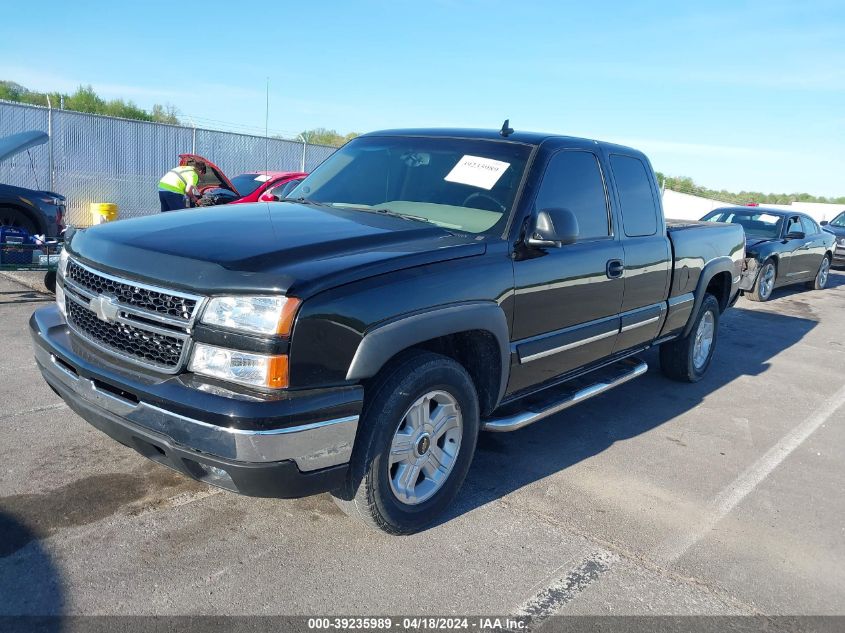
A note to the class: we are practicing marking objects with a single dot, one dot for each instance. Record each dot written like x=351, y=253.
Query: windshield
x=755, y=223
x=461, y=184
x=839, y=220
x=248, y=183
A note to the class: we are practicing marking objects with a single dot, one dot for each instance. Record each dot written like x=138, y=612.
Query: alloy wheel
x=425, y=447
x=703, y=340
x=767, y=281
x=824, y=272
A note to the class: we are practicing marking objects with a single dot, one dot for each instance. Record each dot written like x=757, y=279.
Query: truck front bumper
x=279, y=445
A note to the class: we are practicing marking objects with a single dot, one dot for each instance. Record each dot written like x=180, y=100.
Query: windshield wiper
x=395, y=214
x=304, y=201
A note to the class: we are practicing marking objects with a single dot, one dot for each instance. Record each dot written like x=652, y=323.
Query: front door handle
x=615, y=268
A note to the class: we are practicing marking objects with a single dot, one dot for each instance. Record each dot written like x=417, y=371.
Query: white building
x=683, y=206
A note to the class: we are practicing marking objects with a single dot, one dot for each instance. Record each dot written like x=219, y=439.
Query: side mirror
x=268, y=197
x=553, y=228
x=824, y=222
x=795, y=235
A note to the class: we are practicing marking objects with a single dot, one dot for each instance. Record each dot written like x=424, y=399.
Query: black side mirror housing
x=795, y=235
x=824, y=222
x=552, y=228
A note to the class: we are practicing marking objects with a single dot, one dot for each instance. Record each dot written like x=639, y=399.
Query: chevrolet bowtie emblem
x=105, y=308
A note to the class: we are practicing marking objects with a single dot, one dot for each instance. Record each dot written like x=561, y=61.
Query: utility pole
x=267, y=129
x=304, y=140
x=50, y=142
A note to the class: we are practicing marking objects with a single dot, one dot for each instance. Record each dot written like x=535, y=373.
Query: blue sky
x=734, y=94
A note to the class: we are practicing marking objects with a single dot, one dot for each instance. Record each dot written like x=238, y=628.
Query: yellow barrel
x=103, y=212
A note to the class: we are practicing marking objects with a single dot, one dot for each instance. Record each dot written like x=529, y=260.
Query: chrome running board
x=623, y=371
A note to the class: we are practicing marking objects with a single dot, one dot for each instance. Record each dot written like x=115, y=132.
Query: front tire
x=687, y=359
x=765, y=283
x=822, y=276
x=415, y=443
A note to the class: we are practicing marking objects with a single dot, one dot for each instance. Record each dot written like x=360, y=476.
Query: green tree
x=323, y=136
x=86, y=100
x=684, y=184
x=165, y=114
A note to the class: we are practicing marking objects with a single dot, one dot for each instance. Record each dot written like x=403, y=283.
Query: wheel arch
x=713, y=276
x=475, y=334
x=36, y=218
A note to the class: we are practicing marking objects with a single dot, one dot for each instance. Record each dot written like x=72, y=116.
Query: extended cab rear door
x=647, y=251
x=566, y=310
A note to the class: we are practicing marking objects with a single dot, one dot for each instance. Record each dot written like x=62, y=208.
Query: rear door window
x=574, y=181
x=636, y=195
x=794, y=225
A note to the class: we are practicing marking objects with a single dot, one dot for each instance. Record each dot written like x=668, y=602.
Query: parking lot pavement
x=723, y=497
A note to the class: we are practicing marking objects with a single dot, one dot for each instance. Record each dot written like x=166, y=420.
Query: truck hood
x=266, y=247
x=17, y=143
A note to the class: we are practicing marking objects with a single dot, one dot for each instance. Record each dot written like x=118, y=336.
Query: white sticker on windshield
x=768, y=217
x=262, y=178
x=477, y=171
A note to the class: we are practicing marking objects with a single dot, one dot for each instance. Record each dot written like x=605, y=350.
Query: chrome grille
x=150, y=348
x=159, y=301
x=144, y=324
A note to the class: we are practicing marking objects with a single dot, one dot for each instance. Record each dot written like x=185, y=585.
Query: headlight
x=261, y=315
x=63, y=257
x=840, y=241
x=246, y=368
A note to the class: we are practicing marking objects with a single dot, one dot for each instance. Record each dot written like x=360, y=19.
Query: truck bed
x=694, y=244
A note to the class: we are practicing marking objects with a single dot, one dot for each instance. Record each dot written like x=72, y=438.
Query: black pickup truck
x=419, y=287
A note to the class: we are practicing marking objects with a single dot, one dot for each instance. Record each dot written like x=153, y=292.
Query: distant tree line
x=684, y=184
x=86, y=100
x=323, y=136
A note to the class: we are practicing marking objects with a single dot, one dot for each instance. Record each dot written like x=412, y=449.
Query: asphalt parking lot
x=723, y=497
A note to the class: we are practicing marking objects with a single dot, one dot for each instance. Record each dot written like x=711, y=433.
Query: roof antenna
x=506, y=130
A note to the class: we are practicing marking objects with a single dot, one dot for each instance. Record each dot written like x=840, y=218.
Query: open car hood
x=213, y=177
x=20, y=142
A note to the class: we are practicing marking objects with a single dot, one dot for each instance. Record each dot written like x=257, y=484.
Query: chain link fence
x=91, y=158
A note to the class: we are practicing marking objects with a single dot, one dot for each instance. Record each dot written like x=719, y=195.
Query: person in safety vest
x=179, y=186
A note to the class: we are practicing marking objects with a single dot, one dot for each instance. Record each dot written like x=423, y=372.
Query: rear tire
x=415, y=443
x=822, y=276
x=12, y=217
x=765, y=284
x=687, y=359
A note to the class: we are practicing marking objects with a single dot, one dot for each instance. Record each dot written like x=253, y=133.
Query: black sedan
x=837, y=227
x=781, y=248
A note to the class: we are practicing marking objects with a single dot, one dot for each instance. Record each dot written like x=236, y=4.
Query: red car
x=252, y=186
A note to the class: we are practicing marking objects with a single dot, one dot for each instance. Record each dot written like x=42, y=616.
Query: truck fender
x=710, y=270
x=387, y=339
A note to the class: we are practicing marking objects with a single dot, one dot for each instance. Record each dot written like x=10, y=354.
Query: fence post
x=302, y=163
x=50, y=143
x=193, y=138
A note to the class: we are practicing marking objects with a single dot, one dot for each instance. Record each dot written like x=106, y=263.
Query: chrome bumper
x=311, y=446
